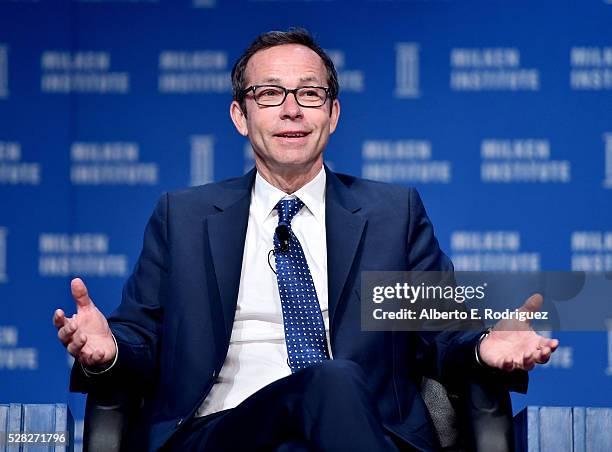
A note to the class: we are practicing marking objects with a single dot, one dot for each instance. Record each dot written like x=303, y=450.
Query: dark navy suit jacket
x=174, y=323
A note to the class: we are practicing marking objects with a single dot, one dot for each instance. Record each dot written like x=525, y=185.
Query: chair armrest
x=478, y=417
x=107, y=417
x=489, y=413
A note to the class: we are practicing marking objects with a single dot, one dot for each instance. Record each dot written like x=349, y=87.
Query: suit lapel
x=344, y=229
x=227, y=232
x=226, y=235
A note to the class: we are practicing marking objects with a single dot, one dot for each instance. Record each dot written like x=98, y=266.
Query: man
x=246, y=288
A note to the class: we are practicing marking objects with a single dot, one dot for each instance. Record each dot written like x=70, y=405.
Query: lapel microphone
x=283, y=234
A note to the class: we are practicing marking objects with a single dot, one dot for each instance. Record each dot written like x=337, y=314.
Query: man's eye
x=311, y=93
x=270, y=92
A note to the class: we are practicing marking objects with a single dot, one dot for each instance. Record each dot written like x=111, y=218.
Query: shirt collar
x=265, y=196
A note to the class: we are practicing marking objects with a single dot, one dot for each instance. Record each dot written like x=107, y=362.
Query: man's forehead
x=275, y=64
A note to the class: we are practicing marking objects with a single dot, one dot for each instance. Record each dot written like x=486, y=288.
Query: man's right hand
x=86, y=334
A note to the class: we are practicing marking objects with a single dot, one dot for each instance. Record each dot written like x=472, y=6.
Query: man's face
x=287, y=137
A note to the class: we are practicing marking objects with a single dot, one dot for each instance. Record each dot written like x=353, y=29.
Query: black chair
x=480, y=419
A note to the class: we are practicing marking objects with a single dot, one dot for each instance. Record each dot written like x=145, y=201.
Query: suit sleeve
x=448, y=355
x=136, y=323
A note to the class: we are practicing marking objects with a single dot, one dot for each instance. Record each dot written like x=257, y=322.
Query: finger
x=541, y=356
x=544, y=355
x=98, y=356
x=80, y=293
x=59, y=318
x=93, y=358
x=533, y=303
x=528, y=361
x=553, y=344
x=507, y=364
x=79, y=339
x=86, y=357
x=77, y=344
x=66, y=332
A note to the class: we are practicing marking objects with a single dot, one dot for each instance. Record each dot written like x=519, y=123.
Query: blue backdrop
x=499, y=112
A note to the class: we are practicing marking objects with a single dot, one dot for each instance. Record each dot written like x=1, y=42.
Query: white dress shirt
x=257, y=353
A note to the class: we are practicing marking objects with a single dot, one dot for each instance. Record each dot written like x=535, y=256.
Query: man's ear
x=239, y=119
x=334, y=115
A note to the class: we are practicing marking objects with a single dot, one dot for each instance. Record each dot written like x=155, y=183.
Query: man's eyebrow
x=308, y=79
x=272, y=80
x=311, y=78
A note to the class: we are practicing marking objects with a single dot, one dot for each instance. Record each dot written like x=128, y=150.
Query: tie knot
x=287, y=208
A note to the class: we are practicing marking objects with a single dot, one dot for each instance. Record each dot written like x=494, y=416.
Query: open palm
x=513, y=344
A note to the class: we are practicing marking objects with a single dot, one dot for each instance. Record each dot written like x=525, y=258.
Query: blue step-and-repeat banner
x=500, y=112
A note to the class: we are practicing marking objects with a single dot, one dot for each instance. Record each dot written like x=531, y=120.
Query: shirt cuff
x=477, y=348
x=89, y=372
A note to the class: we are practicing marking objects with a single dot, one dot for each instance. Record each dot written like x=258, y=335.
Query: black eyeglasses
x=275, y=95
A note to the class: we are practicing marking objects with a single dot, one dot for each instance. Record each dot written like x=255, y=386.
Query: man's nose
x=290, y=109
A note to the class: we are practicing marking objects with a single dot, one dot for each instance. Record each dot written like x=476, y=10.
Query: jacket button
x=179, y=422
x=214, y=374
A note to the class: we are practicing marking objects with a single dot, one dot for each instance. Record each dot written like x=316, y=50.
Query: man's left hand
x=512, y=344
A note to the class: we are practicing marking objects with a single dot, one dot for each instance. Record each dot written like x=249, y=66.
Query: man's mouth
x=292, y=134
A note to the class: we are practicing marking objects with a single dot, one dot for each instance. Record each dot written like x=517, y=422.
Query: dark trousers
x=323, y=407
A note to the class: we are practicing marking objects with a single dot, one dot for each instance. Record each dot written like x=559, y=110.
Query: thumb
x=533, y=303
x=79, y=293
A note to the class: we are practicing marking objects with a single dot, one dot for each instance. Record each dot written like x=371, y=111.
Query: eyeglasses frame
x=293, y=91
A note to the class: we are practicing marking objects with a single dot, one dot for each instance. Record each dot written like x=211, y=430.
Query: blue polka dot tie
x=304, y=328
